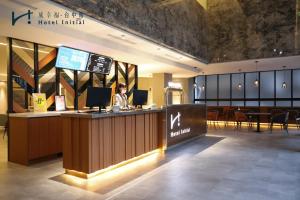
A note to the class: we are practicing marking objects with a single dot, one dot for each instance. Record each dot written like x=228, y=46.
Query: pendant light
x=240, y=84
x=256, y=82
x=195, y=85
x=203, y=86
x=284, y=86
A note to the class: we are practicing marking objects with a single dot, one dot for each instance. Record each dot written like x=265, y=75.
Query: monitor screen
x=140, y=97
x=72, y=59
x=99, y=64
x=98, y=97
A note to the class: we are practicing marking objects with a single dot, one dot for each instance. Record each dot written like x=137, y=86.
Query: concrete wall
x=212, y=30
x=248, y=29
x=180, y=24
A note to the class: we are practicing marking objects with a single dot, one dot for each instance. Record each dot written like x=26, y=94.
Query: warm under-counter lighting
x=245, y=124
x=117, y=169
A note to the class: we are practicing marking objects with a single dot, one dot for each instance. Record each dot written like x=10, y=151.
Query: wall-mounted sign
x=39, y=102
x=185, y=121
x=72, y=59
x=99, y=64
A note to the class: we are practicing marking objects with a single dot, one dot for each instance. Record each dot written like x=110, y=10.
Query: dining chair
x=5, y=129
x=240, y=117
x=252, y=119
x=213, y=116
x=282, y=119
x=297, y=119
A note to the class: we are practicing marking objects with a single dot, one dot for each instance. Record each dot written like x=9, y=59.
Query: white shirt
x=121, y=100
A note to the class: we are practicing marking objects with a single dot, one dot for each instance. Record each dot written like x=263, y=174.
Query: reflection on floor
x=227, y=164
x=112, y=180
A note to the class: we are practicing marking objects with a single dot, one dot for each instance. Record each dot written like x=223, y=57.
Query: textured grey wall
x=228, y=30
x=179, y=24
x=249, y=29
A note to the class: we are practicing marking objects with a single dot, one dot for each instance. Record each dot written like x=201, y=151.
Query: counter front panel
x=184, y=122
x=91, y=144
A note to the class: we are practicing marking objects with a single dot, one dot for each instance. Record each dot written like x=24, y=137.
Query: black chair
x=213, y=116
x=297, y=118
x=252, y=119
x=282, y=119
x=241, y=117
x=5, y=129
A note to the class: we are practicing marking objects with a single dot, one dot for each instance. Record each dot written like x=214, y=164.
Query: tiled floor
x=226, y=165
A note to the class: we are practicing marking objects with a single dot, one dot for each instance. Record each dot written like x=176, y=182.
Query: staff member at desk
x=120, y=98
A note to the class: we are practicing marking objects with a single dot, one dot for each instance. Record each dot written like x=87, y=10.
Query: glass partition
x=267, y=84
x=212, y=87
x=224, y=86
x=237, y=86
x=296, y=83
x=252, y=85
x=279, y=88
x=200, y=87
x=283, y=84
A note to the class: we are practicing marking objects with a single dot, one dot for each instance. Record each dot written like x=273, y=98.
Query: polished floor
x=226, y=164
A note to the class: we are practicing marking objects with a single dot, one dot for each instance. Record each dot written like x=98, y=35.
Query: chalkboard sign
x=99, y=64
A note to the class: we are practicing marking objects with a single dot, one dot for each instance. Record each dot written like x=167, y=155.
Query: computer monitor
x=140, y=97
x=98, y=97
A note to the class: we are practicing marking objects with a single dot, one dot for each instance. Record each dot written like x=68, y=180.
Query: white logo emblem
x=173, y=120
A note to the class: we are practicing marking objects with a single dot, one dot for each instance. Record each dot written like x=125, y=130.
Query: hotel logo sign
x=15, y=18
x=183, y=122
x=49, y=18
x=176, y=129
x=174, y=119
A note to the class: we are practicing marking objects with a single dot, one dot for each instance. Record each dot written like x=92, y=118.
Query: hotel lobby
x=169, y=99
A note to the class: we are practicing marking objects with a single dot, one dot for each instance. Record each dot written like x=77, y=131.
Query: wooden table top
x=257, y=113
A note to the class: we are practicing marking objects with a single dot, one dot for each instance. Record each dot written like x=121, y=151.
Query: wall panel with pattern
x=32, y=69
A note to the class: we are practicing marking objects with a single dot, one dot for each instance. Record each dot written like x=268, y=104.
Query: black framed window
x=279, y=88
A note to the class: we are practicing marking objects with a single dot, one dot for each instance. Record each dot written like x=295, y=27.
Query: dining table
x=258, y=116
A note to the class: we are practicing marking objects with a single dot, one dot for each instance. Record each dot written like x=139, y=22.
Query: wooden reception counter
x=33, y=136
x=95, y=141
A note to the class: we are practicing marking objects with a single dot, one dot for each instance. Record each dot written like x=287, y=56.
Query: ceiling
x=97, y=37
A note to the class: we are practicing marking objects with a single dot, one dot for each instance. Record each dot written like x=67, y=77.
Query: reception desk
x=93, y=141
x=33, y=136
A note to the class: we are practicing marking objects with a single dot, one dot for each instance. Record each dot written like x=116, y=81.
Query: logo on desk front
x=175, y=125
x=175, y=119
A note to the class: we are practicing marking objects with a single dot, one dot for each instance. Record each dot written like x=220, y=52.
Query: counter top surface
x=41, y=114
x=87, y=114
x=108, y=114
